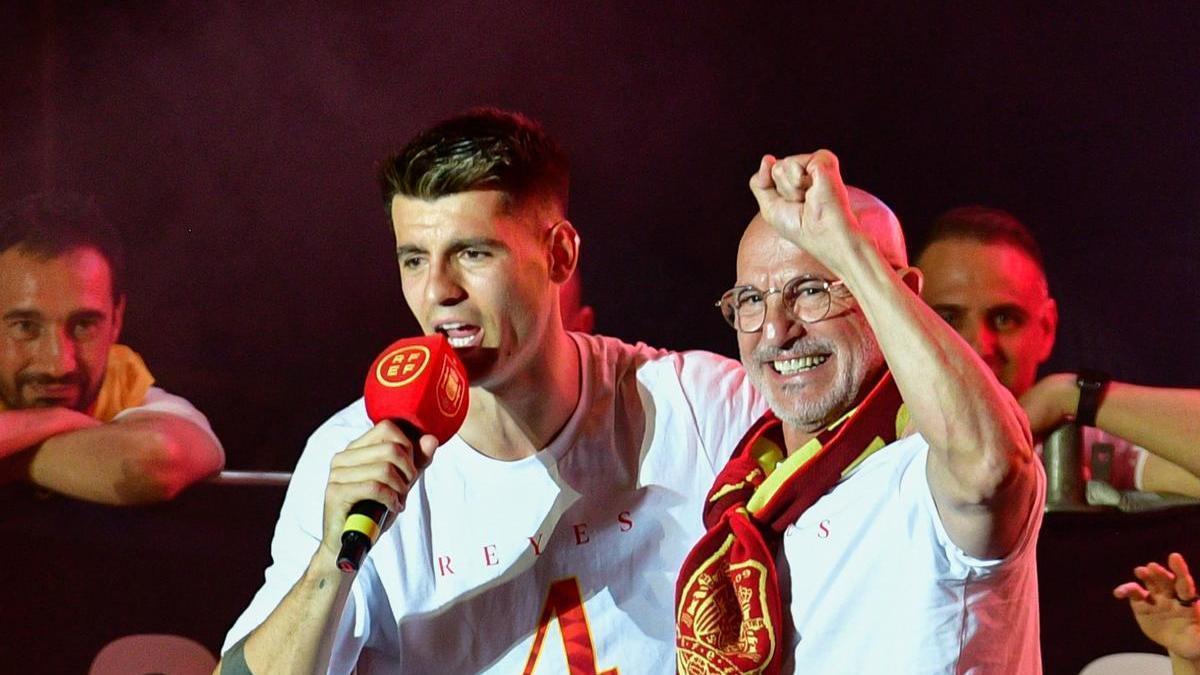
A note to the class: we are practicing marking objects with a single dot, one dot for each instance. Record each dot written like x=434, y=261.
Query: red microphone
x=421, y=385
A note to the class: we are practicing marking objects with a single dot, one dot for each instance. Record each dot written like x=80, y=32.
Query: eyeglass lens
x=804, y=298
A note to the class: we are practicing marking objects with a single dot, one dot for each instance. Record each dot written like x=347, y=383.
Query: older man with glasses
x=883, y=516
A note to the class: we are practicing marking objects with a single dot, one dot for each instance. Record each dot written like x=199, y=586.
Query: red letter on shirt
x=565, y=602
x=626, y=524
x=489, y=555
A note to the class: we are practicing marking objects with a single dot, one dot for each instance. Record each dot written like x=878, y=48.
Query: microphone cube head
x=422, y=382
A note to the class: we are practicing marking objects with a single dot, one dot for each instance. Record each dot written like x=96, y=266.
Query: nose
x=444, y=286
x=56, y=353
x=981, y=338
x=778, y=326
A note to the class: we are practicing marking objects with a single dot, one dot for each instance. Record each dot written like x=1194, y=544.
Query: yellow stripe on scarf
x=782, y=470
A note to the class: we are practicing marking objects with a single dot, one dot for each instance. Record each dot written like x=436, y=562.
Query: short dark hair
x=485, y=148
x=986, y=225
x=48, y=225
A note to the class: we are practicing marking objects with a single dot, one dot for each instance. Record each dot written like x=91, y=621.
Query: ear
x=1048, y=324
x=563, y=251
x=913, y=278
x=118, y=317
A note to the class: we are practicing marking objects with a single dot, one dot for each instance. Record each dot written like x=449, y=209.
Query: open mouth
x=799, y=364
x=461, y=335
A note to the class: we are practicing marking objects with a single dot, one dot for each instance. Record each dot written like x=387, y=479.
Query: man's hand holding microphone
x=416, y=393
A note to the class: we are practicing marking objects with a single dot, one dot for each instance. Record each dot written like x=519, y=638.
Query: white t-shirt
x=159, y=401
x=877, y=586
x=488, y=556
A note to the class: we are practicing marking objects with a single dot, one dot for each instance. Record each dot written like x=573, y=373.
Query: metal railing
x=280, y=478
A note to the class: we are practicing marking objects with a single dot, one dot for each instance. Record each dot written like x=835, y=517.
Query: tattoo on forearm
x=234, y=661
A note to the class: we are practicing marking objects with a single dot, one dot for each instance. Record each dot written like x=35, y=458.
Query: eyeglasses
x=806, y=299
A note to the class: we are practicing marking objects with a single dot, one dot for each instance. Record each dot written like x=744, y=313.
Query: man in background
x=576, y=316
x=985, y=276
x=79, y=414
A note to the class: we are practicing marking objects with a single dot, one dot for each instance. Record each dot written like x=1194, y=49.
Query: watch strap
x=1092, y=385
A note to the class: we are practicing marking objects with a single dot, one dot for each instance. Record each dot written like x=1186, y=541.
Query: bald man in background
x=883, y=516
x=984, y=275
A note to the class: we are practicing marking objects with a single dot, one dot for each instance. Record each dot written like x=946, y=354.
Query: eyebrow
x=455, y=246
x=34, y=315
x=87, y=314
x=807, y=276
x=949, y=308
x=1008, y=307
x=22, y=314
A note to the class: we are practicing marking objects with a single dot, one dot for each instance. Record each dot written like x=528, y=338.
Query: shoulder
x=160, y=401
x=342, y=427
x=330, y=438
x=651, y=364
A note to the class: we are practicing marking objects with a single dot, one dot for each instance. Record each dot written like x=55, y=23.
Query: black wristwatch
x=1092, y=384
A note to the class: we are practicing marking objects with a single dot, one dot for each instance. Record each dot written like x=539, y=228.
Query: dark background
x=234, y=145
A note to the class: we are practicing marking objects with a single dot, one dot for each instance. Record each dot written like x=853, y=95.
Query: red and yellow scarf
x=729, y=616
x=126, y=381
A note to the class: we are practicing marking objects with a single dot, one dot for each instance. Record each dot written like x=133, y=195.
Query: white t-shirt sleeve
x=916, y=482
x=723, y=401
x=160, y=401
x=297, y=535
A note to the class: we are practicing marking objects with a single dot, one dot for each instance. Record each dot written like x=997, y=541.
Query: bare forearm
x=1164, y=421
x=298, y=636
x=954, y=400
x=141, y=459
x=22, y=430
x=981, y=469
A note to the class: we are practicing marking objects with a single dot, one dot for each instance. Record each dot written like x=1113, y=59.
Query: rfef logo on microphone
x=401, y=366
x=451, y=389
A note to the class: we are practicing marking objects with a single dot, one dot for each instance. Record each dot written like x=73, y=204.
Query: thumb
x=762, y=185
x=423, y=453
x=827, y=185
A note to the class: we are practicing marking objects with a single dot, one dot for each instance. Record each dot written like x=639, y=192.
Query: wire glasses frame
x=806, y=299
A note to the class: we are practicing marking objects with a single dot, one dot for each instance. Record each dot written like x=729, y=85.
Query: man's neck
x=524, y=414
x=795, y=437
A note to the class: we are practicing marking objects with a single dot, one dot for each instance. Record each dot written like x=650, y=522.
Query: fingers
x=1185, y=586
x=383, y=481
x=791, y=177
x=1131, y=590
x=1158, y=579
x=384, y=432
x=828, y=188
x=379, y=465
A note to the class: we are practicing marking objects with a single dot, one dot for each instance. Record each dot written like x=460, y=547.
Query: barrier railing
x=76, y=576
